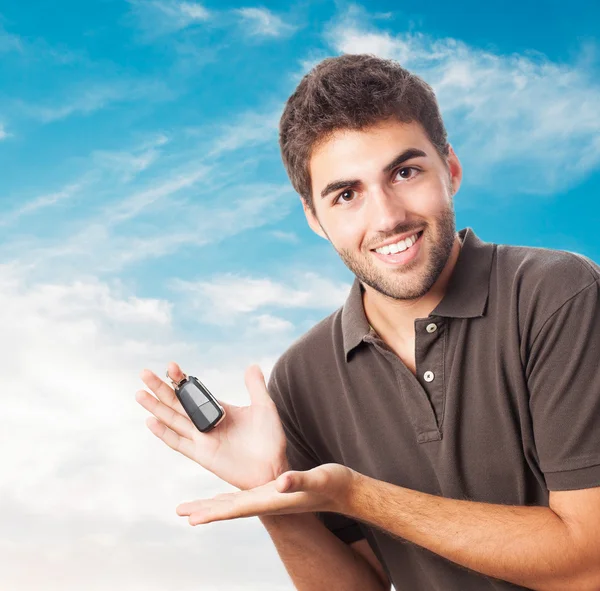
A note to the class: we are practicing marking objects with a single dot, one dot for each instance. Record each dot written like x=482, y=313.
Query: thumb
x=301, y=481
x=256, y=386
x=288, y=482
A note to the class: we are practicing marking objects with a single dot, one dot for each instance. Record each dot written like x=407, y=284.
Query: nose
x=386, y=209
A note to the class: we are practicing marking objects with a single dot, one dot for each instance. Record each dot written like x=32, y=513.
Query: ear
x=312, y=220
x=455, y=170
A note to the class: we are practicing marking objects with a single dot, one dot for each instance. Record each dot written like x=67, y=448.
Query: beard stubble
x=404, y=284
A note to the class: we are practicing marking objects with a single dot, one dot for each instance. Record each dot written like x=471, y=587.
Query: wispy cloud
x=133, y=205
x=266, y=323
x=162, y=17
x=128, y=164
x=261, y=22
x=122, y=165
x=37, y=49
x=10, y=42
x=213, y=223
x=105, y=244
x=165, y=17
x=219, y=301
x=285, y=236
x=517, y=115
x=250, y=128
x=3, y=133
x=184, y=183
x=42, y=202
x=84, y=99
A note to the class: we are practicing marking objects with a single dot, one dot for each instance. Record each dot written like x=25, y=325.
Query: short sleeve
x=301, y=457
x=563, y=376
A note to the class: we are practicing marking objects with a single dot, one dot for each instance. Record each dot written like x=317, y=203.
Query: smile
x=400, y=252
x=399, y=246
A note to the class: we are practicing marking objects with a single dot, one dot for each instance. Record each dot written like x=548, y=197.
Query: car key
x=201, y=406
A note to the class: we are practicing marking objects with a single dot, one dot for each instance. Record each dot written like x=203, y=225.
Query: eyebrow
x=399, y=159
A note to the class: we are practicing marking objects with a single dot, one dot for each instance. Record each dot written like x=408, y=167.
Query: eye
x=407, y=169
x=342, y=195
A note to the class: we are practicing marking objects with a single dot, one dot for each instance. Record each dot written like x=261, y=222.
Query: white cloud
x=269, y=323
x=285, y=236
x=262, y=22
x=162, y=17
x=224, y=298
x=3, y=133
x=85, y=486
x=517, y=121
x=193, y=11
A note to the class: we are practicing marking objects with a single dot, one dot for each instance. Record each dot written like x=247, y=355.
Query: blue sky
x=146, y=216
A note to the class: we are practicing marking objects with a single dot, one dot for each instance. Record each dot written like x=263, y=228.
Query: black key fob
x=201, y=406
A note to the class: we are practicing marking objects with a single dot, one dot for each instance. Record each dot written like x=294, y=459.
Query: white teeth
x=398, y=246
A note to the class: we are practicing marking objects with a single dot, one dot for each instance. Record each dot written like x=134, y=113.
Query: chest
x=404, y=349
x=406, y=354
x=447, y=415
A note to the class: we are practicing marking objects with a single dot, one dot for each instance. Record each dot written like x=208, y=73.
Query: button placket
x=429, y=357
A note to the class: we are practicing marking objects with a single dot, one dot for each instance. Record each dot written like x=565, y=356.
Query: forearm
x=316, y=559
x=528, y=546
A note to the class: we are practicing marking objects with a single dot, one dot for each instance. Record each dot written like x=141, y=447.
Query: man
x=441, y=427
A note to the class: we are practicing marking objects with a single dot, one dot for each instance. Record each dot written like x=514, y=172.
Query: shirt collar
x=466, y=293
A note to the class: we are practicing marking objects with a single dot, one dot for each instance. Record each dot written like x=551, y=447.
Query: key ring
x=173, y=381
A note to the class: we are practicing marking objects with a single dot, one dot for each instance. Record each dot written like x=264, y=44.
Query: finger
x=163, y=391
x=210, y=510
x=259, y=501
x=255, y=384
x=169, y=416
x=175, y=372
x=172, y=439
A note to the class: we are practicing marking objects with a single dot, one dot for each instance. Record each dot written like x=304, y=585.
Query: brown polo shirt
x=504, y=407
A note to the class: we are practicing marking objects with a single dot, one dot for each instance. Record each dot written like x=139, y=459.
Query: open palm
x=247, y=449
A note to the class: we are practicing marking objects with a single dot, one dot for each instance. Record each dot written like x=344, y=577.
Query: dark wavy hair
x=352, y=91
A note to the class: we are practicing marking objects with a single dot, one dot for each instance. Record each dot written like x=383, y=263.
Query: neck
x=393, y=320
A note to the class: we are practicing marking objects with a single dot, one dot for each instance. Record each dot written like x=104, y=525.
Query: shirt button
x=428, y=376
x=431, y=327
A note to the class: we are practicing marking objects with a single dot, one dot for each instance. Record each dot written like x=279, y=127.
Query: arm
x=555, y=548
x=531, y=546
x=314, y=556
x=365, y=550
x=316, y=559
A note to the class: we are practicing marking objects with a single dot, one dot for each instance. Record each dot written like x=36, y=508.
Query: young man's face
x=393, y=184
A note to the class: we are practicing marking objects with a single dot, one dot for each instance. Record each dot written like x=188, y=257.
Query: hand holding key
x=247, y=449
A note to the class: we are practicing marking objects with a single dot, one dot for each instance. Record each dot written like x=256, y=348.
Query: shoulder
x=541, y=280
x=309, y=355
x=533, y=267
x=540, y=263
x=311, y=347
